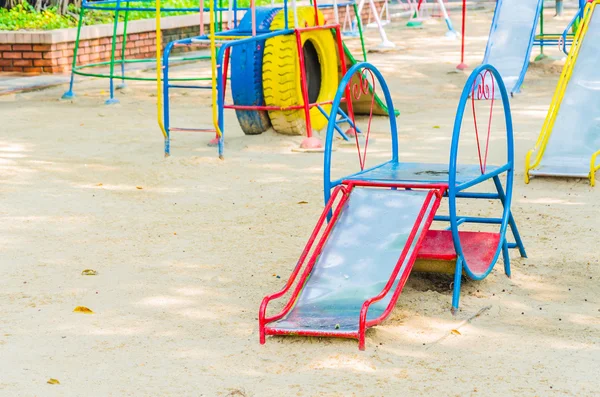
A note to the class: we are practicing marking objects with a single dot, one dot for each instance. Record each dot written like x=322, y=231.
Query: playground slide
x=570, y=138
x=373, y=241
x=511, y=38
x=363, y=105
x=376, y=225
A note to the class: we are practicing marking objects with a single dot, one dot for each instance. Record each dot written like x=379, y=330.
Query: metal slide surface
x=576, y=132
x=511, y=38
x=358, y=259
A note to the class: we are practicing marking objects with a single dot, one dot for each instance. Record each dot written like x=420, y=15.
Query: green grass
x=24, y=16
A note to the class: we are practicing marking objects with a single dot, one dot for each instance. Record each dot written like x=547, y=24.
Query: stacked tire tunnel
x=267, y=72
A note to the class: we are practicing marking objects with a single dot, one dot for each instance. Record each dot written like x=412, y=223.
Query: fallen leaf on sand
x=98, y=184
x=302, y=202
x=455, y=332
x=82, y=309
x=437, y=127
x=139, y=187
x=53, y=381
x=89, y=272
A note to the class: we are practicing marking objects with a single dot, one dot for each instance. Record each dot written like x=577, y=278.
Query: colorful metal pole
x=69, y=94
x=215, y=94
x=253, y=7
x=303, y=83
x=230, y=15
x=360, y=31
x=451, y=32
x=123, y=47
x=295, y=11
x=542, y=55
x=414, y=21
x=336, y=12
x=166, y=105
x=462, y=65
x=112, y=100
x=220, y=16
x=225, y=68
x=385, y=43
x=201, y=5
x=159, y=92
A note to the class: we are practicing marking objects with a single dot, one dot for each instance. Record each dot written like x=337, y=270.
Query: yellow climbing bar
x=213, y=62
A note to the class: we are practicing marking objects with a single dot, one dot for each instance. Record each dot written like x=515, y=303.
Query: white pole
x=347, y=21
x=385, y=43
x=361, y=4
x=335, y=12
x=451, y=32
x=295, y=14
x=384, y=15
x=230, y=15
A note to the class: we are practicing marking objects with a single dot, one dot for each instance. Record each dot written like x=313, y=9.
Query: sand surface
x=184, y=262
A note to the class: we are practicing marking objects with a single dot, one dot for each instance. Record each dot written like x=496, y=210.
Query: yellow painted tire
x=281, y=72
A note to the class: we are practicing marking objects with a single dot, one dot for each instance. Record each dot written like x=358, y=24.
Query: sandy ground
x=184, y=262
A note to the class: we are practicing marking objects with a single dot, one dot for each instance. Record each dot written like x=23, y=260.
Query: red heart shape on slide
x=482, y=91
x=364, y=84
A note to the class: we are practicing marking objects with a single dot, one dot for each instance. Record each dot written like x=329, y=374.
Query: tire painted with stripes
x=246, y=73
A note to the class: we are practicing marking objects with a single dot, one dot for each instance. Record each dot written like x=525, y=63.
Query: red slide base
x=478, y=248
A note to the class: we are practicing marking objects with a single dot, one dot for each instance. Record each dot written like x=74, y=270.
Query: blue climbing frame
x=221, y=78
x=240, y=36
x=459, y=179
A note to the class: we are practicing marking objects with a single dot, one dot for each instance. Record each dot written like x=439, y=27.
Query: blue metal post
x=165, y=93
x=506, y=257
x=112, y=100
x=70, y=94
x=221, y=96
x=511, y=219
x=124, y=47
x=457, y=280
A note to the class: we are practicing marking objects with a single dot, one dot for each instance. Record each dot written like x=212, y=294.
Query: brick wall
x=58, y=57
x=46, y=52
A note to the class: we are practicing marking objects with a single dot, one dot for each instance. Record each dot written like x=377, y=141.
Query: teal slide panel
x=511, y=39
